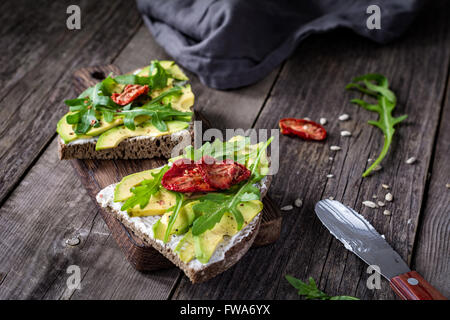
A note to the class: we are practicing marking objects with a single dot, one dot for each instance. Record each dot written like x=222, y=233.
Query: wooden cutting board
x=97, y=174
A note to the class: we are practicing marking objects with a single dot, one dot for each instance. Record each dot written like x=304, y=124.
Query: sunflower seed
x=388, y=197
x=306, y=118
x=374, y=196
x=287, y=208
x=335, y=148
x=331, y=198
x=344, y=117
x=323, y=121
x=331, y=158
x=330, y=175
x=377, y=168
x=386, y=212
x=346, y=133
x=380, y=203
x=385, y=186
x=411, y=160
x=369, y=160
x=447, y=185
x=369, y=204
x=298, y=202
x=73, y=241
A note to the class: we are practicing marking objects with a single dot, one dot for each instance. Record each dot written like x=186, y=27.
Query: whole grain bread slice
x=234, y=249
x=140, y=147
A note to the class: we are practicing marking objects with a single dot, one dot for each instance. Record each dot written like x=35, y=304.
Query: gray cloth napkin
x=233, y=43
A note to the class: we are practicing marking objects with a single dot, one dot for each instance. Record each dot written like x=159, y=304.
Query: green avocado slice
x=114, y=136
x=203, y=246
x=184, y=220
x=66, y=131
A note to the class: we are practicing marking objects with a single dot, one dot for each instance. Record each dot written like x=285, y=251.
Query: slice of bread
x=226, y=254
x=140, y=147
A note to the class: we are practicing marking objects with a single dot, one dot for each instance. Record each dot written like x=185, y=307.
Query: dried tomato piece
x=306, y=129
x=222, y=174
x=185, y=176
x=130, y=92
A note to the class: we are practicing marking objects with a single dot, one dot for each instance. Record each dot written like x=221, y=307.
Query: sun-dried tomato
x=129, y=94
x=306, y=129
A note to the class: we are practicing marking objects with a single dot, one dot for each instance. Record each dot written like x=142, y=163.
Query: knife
x=358, y=236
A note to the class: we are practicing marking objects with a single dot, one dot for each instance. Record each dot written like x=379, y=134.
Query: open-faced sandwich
x=133, y=116
x=202, y=210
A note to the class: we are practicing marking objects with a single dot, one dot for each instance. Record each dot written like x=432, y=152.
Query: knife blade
x=361, y=238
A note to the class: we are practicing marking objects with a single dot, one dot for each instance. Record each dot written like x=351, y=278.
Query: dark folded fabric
x=233, y=43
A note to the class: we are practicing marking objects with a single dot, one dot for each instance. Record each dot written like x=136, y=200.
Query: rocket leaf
x=376, y=85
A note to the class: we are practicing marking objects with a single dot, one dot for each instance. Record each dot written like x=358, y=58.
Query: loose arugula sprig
x=213, y=206
x=143, y=191
x=376, y=85
x=310, y=291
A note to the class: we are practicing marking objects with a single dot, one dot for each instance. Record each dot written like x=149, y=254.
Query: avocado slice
x=114, y=136
x=122, y=190
x=170, y=67
x=157, y=205
x=203, y=246
x=185, y=101
x=66, y=132
x=95, y=131
x=184, y=220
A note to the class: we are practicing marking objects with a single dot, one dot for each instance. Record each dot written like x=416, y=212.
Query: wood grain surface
x=42, y=205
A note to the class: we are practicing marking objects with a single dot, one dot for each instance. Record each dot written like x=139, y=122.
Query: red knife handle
x=411, y=286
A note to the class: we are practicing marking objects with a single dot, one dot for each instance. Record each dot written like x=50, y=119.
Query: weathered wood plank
x=312, y=84
x=105, y=271
x=432, y=254
x=38, y=57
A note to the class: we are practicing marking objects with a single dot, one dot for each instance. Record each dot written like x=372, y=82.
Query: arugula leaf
x=158, y=79
x=386, y=104
x=174, y=215
x=311, y=291
x=213, y=206
x=159, y=113
x=143, y=191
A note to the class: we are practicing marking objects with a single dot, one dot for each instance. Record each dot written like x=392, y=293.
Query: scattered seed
x=298, y=202
x=383, y=236
x=346, y=133
x=409, y=221
x=323, y=121
x=331, y=158
x=369, y=204
x=385, y=186
x=374, y=196
x=380, y=203
x=335, y=148
x=73, y=241
x=388, y=197
x=369, y=160
x=344, y=117
x=447, y=185
x=306, y=118
x=377, y=168
x=330, y=176
x=411, y=160
x=287, y=208
x=331, y=198
x=386, y=212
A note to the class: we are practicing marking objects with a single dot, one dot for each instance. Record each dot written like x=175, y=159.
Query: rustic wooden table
x=43, y=203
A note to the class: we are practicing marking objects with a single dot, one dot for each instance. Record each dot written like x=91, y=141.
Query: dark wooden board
x=312, y=84
x=96, y=175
